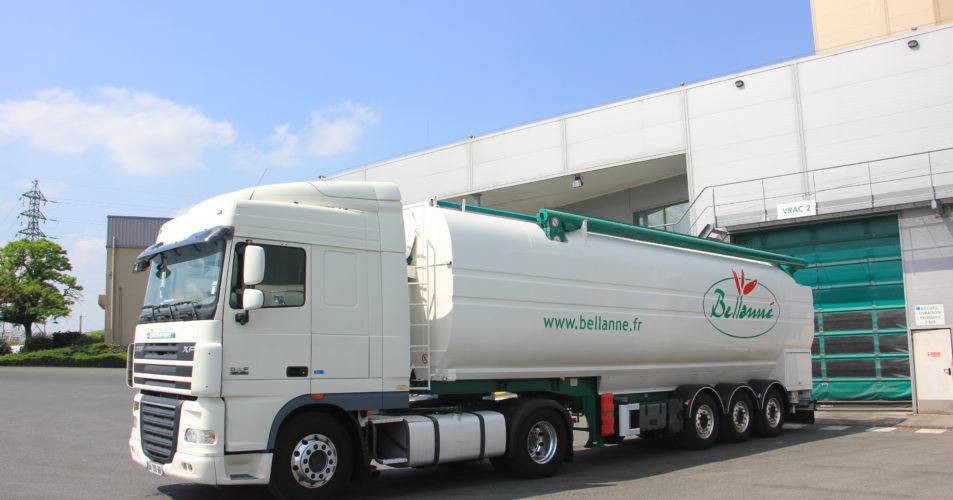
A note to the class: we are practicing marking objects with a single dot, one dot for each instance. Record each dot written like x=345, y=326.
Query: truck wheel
x=312, y=458
x=701, y=426
x=540, y=446
x=770, y=418
x=739, y=421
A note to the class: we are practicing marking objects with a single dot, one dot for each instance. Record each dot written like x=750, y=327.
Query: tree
x=34, y=284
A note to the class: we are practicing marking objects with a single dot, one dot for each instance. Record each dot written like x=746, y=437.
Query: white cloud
x=329, y=132
x=283, y=150
x=141, y=132
x=337, y=128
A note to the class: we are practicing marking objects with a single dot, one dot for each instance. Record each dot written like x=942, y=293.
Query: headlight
x=199, y=436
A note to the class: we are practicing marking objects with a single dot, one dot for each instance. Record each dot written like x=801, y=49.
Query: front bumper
x=244, y=468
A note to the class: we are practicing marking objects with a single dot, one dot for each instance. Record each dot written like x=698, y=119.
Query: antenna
x=257, y=184
x=32, y=200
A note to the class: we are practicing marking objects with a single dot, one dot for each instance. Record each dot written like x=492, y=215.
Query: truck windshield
x=183, y=282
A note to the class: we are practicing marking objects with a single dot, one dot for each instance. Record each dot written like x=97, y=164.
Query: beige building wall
x=124, y=294
x=842, y=23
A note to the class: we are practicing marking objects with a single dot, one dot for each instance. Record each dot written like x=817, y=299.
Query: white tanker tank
x=506, y=299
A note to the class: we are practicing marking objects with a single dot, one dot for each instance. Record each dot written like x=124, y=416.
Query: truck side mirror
x=254, y=269
x=252, y=299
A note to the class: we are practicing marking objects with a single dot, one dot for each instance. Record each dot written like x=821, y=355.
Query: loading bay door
x=860, y=351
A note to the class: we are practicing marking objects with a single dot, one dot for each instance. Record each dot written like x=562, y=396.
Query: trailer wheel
x=540, y=446
x=701, y=426
x=312, y=459
x=770, y=418
x=739, y=421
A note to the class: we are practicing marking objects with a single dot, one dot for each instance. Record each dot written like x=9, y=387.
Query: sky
x=146, y=108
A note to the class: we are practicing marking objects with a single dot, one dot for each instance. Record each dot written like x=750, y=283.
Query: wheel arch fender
x=728, y=390
x=305, y=404
x=687, y=394
x=515, y=410
x=761, y=389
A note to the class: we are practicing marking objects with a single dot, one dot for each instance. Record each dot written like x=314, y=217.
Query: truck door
x=275, y=343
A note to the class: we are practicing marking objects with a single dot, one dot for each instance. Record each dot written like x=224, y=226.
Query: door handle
x=947, y=371
x=296, y=371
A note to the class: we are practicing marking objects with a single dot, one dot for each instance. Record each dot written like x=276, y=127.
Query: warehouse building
x=126, y=238
x=844, y=158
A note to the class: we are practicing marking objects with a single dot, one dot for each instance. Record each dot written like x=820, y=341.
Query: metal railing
x=896, y=180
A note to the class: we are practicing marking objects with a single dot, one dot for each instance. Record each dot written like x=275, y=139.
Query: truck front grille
x=163, y=365
x=159, y=427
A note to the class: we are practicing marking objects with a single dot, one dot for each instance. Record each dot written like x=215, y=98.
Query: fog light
x=199, y=436
x=187, y=467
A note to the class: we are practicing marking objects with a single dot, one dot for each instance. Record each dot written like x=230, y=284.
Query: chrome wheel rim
x=314, y=460
x=772, y=412
x=704, y=421
x=541, y=442
x=740, y=416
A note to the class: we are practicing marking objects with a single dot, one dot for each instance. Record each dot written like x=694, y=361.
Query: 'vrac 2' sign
x=797, y=209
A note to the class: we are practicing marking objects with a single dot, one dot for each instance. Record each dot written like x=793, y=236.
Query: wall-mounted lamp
x=740, y=84
x=913, y=44
x=577, y=181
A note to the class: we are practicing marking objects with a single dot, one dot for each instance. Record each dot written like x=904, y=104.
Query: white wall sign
x=797, y=209
x=929, y=315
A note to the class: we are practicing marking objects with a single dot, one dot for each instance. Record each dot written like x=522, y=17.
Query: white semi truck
x=298, y=334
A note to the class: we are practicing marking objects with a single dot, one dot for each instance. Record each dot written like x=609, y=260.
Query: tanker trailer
x=296, y=334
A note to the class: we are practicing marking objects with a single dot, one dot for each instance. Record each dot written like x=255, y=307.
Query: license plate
x=155, y=468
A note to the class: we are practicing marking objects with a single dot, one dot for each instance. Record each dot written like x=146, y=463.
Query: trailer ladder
x=419, y=333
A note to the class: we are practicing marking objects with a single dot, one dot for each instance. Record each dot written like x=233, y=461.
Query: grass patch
x=100, y=355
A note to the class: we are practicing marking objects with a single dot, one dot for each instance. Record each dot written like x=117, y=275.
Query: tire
x=738, y=423
x=701, y=426
x=313, y=458
x=769, y=420
x=540, y=446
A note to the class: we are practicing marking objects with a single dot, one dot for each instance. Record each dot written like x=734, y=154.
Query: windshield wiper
x=184, y=315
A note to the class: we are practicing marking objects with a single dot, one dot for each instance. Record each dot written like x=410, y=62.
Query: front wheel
x=312, y=459
x=540, y=445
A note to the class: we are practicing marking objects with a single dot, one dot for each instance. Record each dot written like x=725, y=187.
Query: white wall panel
x=353, y=175
x=626, y=146
x=517, y=155
x=623, y=133
x=745, y=133
x=722, y=95
x=879, y=101
x=419, y=177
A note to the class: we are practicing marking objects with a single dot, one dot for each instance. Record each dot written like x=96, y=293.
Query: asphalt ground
x=64, y=432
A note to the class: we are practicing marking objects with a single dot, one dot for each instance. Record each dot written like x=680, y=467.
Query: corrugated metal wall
x=132, y=232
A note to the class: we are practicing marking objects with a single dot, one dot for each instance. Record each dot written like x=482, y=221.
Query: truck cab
x=260, y=304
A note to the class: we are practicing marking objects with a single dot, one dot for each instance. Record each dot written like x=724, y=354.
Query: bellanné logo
x=746, y=310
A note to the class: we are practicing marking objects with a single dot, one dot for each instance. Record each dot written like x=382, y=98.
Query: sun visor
x=202, y=237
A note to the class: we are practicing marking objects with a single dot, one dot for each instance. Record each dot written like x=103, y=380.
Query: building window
x=667, y=218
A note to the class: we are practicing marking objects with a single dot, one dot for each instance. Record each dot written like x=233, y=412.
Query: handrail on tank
x=488, y=211
x=556, y=223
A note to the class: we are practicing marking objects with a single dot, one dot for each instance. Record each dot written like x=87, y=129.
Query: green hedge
x=93, y=355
